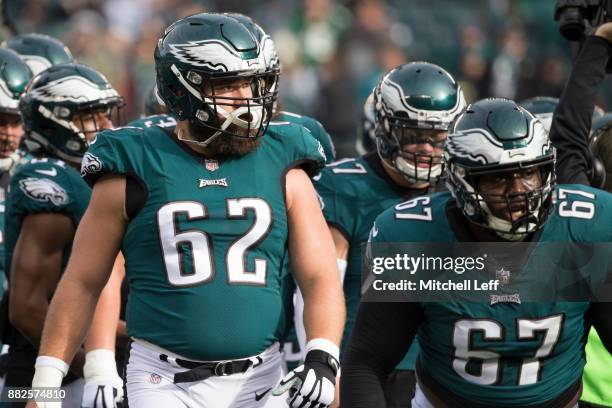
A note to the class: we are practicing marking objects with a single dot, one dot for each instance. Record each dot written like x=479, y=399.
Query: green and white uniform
x=204, y=255
x=43, y=186
x=507, y=354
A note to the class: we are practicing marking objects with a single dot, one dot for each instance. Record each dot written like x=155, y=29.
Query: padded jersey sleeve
x=113, y=152
x=319, y=133
x=335, y=202
x=308, y=152
x=42, y=187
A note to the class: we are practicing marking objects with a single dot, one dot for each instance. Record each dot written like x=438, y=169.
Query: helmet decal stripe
x=73, y=89
x=215, y=55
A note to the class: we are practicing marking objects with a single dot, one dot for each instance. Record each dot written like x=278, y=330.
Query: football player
x=414, y=106
x=204, y=215
x=39, y=51
x=587, y=160
x=501, y=181
x=13, y=80
x=61, y=109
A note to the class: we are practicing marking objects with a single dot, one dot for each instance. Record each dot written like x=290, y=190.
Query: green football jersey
x=315, y=128
x=205, y=253
x=506, y=354
x=5, y=178
x=352, y=193
x=43, y=186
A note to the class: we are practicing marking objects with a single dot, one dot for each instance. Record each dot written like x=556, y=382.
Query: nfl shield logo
x=503, y=276
x=211, y=165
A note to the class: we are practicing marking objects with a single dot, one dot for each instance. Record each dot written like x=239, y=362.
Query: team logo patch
x=512, y=298
x=155, y=378
x=218, y=182
x=90, y=164
x=211, y=165
x=45, y=190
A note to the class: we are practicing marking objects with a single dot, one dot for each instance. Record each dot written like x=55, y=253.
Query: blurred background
x=332, y=51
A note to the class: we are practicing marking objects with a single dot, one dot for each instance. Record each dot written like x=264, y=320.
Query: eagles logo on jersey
x=43, y=189
x=90, y=164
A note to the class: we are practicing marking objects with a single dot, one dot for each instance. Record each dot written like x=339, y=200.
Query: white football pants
x=150, y=383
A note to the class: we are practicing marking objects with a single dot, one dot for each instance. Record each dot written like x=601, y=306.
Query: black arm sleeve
x=381, y=337
x=571, y=122
x=600, y=315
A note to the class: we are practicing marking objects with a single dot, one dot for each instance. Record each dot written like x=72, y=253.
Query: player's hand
x=103, y=386
x=605, y=31
x=312, y=383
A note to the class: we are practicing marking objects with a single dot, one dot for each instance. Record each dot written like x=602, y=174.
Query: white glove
x=103, y=386
x=312, y=384
x=49, y=373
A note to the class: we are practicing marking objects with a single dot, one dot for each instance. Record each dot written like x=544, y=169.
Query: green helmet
x=14, y=76
x=492, y=137
x=418, y=95
x=197, y=52
x=268, y=48
x=56, y=99
x=39, y=51
x=267, y=45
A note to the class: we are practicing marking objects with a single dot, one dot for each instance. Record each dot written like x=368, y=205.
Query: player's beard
x=226, y=145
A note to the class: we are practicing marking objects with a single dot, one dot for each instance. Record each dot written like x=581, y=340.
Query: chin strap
x=506, y=229
x=8, y=163
x=409, y=171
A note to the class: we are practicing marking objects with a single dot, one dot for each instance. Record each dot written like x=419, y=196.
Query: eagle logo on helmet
x=74, y=89
x=45, y=190
x=213, y=54
x=90, y=164
x=472, y=144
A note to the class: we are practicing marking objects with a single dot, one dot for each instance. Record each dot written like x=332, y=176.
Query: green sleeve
x=308, y=153
x=335, y=204
x=319, y=133
x=113, y=152
x=42, y=188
